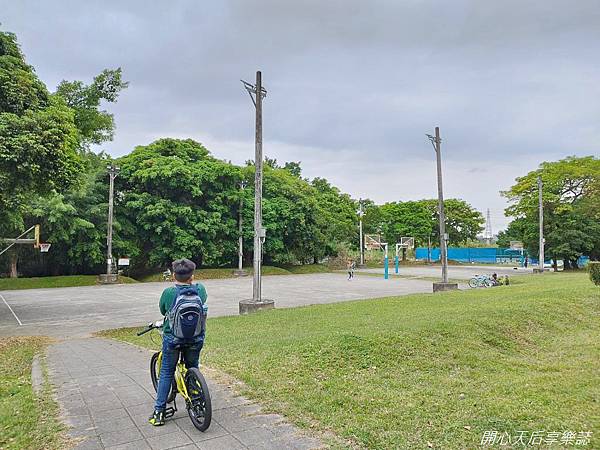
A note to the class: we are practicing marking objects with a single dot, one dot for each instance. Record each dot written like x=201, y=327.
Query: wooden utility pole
x=444, y=285
x=258, y=165
x=541, y=220
x=257, y=93
x=442, y=215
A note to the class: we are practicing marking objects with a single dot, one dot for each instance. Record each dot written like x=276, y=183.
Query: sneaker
x=157, y=418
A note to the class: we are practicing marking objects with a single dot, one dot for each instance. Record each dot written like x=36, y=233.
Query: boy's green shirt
x=168, y=297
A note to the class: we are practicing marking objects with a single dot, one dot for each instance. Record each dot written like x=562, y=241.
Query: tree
x=38, y=138
x=180, y=202
x=571, y=212
x=95, y=126
x=45, y=169
x=419, y=219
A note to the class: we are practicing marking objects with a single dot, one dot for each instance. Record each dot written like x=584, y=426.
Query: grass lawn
x=425, y=370
x=53, y=282
x=26, y=421
x=219, y=273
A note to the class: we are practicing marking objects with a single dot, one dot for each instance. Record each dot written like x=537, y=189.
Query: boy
x=183, y=272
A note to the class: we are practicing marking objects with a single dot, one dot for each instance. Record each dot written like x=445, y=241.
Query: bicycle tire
x=473, y=283
x=155, y=376
x=200, y=407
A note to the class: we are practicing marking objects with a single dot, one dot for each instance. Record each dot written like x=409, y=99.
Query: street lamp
x=113, y=171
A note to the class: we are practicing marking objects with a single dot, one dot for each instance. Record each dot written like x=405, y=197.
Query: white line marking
x=11, y=310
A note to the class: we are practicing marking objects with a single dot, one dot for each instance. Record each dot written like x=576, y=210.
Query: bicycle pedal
x=170, y=412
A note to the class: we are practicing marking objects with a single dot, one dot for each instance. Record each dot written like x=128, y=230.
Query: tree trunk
x=13, y=264
x=403, y=254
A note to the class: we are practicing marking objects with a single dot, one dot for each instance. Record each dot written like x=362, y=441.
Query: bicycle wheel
x=155, y=376
x=199, y=408
x=473, y=283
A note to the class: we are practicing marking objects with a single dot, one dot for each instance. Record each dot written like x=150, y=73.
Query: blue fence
x=489, y=255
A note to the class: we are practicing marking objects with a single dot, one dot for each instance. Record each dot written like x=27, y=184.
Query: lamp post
x=361, y=245
x=541, y=257
x=240, y=272
x=113, y=171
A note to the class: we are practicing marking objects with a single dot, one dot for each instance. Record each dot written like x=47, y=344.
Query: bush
x=594, y=268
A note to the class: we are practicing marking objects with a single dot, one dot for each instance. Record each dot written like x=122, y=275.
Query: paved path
x=106, y=395
x=79, y=311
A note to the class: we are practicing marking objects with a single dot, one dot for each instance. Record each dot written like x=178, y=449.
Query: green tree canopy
x=571, y=211
x=38, y=138
x=419, y=219
x=95, y=125
x=180, y=202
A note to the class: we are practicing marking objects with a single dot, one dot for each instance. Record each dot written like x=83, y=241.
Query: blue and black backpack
x=187, y=315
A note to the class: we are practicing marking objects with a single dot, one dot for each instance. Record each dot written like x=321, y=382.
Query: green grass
x=220, y=273
x=308, y=268
x=26, y=421
x=407, y=371
x=53, y=282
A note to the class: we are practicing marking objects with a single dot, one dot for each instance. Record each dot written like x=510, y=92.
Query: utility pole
x=541, y=212
x=257, y=93
x=112, y=174
x=258, y=164
x=360, y=232
x=444, y=285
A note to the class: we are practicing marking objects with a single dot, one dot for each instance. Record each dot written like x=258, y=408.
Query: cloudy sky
x=353, y=86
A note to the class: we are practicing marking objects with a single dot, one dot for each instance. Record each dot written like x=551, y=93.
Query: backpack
x=187, y=315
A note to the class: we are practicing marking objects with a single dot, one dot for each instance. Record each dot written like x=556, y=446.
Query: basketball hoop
x=407, y=242
x=44, y=247
x=373, y=242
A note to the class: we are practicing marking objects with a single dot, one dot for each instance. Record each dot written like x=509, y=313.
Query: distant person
x=184, y=289
x=350, y=266
x=526, y=263
x=495, y=281
x=506, y=280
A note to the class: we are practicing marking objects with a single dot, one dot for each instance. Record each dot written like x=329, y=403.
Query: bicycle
x=189, y=383
x=480, y=281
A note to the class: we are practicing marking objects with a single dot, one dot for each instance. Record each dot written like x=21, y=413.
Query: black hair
x=183, y=269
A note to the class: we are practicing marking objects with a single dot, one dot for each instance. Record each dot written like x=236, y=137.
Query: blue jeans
x=170, y=357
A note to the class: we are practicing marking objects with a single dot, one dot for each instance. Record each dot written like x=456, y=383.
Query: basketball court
x=79, y=311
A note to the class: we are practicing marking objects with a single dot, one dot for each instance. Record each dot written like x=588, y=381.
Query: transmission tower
x=488, y=236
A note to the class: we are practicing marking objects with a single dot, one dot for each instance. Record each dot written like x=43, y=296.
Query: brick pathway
x=106, y=396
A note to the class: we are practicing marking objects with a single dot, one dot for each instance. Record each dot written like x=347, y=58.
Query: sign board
x=123, y=262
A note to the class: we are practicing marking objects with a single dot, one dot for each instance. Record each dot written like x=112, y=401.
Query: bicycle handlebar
x=151, y=326
x=145, y=331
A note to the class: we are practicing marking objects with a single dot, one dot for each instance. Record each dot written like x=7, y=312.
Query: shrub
x=594, y=268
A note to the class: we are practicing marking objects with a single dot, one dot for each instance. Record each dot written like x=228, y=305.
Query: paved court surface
x=79, y=311
x=106, y=396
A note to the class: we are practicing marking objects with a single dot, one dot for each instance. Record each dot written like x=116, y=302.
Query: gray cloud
x=357, y=83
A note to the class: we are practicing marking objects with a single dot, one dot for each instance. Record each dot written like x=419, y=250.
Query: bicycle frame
x=179, y=375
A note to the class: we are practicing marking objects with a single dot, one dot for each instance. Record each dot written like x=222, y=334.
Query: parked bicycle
x=189, y=383
x=481, y=281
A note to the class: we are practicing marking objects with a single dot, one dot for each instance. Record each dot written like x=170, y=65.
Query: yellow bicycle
x=189, y=383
